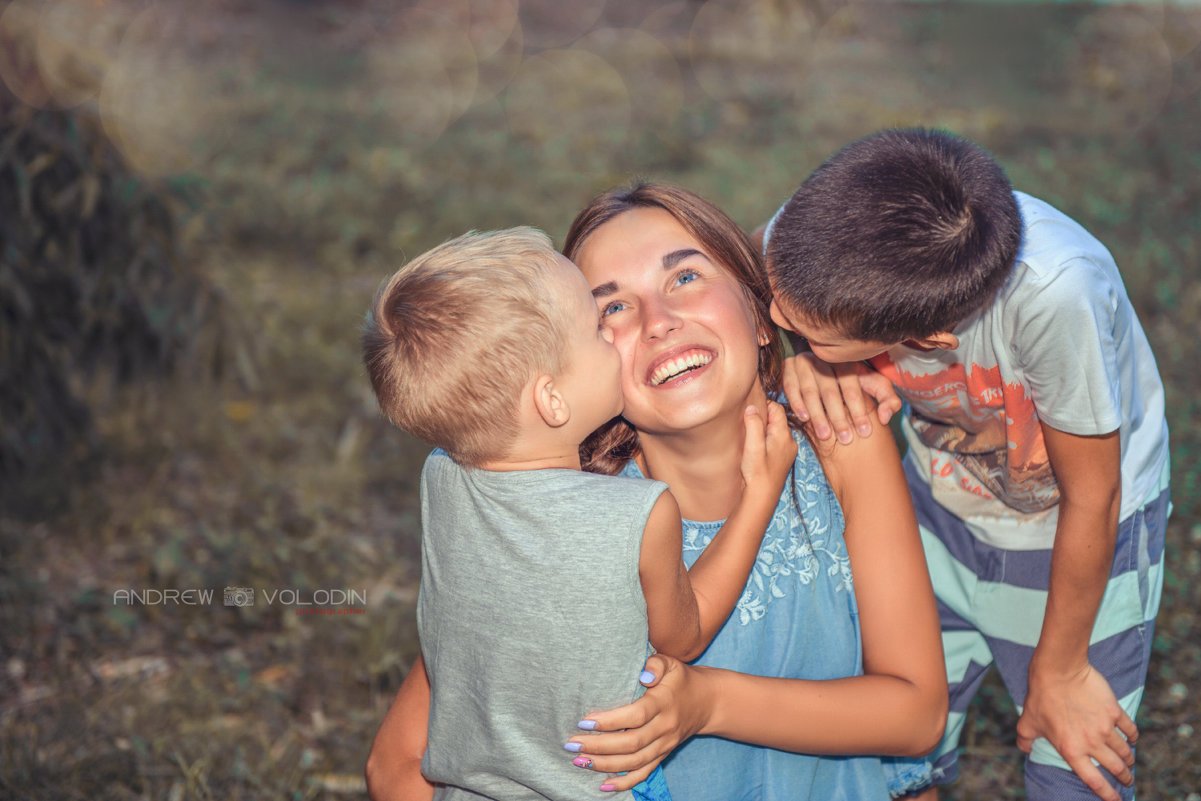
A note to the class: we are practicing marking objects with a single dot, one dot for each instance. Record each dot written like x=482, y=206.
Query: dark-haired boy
x=1038, y=450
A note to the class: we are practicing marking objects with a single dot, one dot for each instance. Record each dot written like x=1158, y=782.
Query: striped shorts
x=991, y=604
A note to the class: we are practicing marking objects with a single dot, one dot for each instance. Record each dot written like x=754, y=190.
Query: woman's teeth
x=682, y=364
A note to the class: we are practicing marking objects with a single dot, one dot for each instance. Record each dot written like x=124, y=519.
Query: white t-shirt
x=1060, y=344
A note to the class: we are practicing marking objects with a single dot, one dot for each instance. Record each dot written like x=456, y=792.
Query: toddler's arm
x=686, y=608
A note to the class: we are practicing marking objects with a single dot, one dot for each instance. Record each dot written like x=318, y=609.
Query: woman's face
x=686, y=333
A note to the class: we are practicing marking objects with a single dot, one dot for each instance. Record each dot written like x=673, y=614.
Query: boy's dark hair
x=898, y=235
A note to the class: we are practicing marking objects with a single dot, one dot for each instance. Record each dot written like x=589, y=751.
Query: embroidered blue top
x=797, y=618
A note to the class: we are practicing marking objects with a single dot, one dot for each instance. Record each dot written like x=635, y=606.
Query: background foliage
x=278, y=158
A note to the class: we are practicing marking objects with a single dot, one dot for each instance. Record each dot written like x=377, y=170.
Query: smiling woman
x=811, y=661
x=692, y=259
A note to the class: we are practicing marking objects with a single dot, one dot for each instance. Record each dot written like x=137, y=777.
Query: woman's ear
x=549, y=402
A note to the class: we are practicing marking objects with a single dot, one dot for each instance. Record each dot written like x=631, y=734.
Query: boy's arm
x=1068, y=702
x=394, y=764
x=686, y=608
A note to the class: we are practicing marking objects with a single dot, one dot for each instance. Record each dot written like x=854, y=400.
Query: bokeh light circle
x=725, y=34
x=551, y=24
x=155, y=104
x=569, y=100
x=648, y=68
x=424, y=73
x=1118, y=64
x=18, y=53
x=71, y=51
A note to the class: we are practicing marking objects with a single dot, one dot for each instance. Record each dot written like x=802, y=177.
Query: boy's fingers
x=1092, y=777
x=1129, y=729
x=1113, y=757
x=881, y=389
x=816, y=412
x=836, y=411
x=852, y=396
x=803, y=396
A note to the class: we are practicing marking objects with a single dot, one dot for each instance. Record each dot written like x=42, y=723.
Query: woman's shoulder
x=810, y=487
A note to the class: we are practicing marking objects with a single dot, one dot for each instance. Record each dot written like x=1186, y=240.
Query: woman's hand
x=635, y=738
x=833, y=397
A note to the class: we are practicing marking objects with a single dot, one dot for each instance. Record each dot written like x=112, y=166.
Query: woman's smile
x=679, y=366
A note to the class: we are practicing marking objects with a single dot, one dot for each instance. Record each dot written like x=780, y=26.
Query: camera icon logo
x=239, y=596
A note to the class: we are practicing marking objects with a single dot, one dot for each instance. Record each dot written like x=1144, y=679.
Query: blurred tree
x=91, y=285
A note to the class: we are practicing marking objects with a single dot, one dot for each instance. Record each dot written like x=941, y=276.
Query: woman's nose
x=659, y=319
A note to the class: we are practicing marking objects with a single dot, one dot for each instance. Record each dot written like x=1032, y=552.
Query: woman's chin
x=678, y=407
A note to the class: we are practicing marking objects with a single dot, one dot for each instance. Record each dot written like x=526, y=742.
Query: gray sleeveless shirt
x=531, y=615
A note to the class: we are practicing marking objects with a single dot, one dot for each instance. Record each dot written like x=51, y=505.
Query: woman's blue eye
x=687, y=277
x=610, y=308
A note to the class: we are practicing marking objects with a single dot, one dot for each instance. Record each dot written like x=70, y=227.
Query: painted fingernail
x=823, y=432
x=865, y=430
x=801, y=413
x=582, y=762
x=586, y=725
x=844, y=437
x=573, y=747
x=607, y=788
x=646, y=677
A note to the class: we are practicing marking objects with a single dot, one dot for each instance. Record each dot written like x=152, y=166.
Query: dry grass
x=331, y=140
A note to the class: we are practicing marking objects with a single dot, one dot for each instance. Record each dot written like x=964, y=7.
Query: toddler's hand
x=834, y=398
x=769, y=450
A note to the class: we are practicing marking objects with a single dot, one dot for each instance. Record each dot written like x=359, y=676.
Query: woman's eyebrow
x=677, y=256
x=605, y=289
x=669, y=260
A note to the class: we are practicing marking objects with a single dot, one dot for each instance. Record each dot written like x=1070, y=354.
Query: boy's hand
x=1080, y=716
x=768, y=451
x=832, y=396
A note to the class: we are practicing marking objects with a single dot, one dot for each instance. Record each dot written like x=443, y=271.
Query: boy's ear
x=940, y=340
x=549, y=402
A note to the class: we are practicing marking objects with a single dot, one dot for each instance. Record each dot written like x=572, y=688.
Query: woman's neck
x=703, y=464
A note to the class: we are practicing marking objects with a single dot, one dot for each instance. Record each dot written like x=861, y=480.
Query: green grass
x=314, y=187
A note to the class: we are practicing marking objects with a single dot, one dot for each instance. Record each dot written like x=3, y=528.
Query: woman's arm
x=394, y=764
x=898, y=707
x=902, y=698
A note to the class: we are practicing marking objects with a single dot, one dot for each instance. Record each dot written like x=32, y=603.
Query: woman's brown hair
x=613, y=445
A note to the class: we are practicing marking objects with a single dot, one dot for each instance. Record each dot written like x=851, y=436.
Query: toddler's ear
x=549, y=402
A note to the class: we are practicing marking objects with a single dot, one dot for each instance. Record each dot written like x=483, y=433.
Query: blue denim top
x=797, y=618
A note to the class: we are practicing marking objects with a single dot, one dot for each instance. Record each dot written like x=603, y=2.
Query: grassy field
x=325, y=143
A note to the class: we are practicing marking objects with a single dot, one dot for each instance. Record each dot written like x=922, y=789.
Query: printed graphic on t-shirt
x=987, y=429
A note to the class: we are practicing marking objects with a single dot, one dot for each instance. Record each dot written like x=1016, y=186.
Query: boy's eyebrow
x=669, y=260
